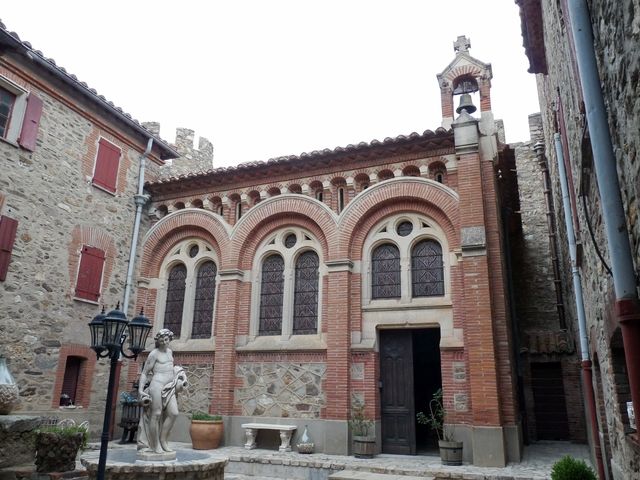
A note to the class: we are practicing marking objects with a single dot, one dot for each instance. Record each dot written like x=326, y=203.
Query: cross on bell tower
x=462, y=44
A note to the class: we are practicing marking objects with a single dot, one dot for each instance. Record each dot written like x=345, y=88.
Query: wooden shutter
x=107, y=162
x=90, y=273
x=71, y=376
x=31, y=122
x=8, y=227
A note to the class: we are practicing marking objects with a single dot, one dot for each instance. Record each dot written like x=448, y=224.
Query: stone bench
x=251, y=429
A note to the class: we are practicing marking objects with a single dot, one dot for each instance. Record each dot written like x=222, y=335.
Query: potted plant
x=569, y=468
x=206, y=430
x=57, y=447
x=362, y=432
x=450, y=450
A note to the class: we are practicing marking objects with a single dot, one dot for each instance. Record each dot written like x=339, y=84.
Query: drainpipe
x=587, y=373
x=627, y=307
x=140, y=200
x=551, y=228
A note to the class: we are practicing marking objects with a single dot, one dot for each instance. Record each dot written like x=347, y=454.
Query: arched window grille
x=204, y=301
x=175, y=299
x=305, y=308
x=385, y=272
x=427, y=272
x=271, y=295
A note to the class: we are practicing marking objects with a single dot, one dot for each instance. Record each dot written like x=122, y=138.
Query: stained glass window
x=404, y=229
x=385, y=272
x=271, y=290
x=427, y=273
x=205, y=297
x=175, y=299
x=305, y=307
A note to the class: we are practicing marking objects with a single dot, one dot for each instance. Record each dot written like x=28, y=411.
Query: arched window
x=427, y=272
x=204, y=301
x=385, y=272
x=271, y=295
x=175, y=299
x=340, y=199
x=305, y=307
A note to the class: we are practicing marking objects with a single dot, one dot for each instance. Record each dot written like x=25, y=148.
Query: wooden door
x=397, y=403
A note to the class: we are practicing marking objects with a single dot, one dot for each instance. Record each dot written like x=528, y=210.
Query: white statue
x=158, y=398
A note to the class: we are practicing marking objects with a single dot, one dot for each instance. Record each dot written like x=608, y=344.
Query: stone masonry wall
x=616, y=27
x=49, y=193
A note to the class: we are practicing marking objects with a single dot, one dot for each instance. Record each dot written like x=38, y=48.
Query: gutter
x=140, y=200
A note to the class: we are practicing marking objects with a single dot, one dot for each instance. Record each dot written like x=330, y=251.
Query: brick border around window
x=85, y=377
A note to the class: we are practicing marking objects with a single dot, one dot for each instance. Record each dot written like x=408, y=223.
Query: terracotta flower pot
x=206, y=434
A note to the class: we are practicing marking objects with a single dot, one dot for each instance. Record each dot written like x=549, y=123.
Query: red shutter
x=107, y=161
x=90, y=273
x=8, y=227
x=31, y=122
x=71, y=376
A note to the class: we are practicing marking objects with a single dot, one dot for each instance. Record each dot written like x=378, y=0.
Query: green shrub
x=568, y=468
x=198, y=415
x=70, y=431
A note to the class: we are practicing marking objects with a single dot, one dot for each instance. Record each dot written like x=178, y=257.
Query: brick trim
x=85, y=377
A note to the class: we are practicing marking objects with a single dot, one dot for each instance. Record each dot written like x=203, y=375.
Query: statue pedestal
x=147, y=456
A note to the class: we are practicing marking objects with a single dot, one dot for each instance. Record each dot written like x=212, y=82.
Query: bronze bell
x=466, y=103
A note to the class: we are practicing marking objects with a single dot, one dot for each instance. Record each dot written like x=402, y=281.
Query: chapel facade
x=366, y=275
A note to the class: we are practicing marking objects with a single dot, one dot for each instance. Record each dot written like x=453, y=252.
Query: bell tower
x=462, y=78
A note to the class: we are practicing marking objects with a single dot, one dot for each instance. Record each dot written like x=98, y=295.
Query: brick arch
x=409, y=194
x=462, y=70
x=275, y=213
x=94, y=237
x=165, y=234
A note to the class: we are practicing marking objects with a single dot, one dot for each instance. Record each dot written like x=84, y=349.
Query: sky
x=266, y=78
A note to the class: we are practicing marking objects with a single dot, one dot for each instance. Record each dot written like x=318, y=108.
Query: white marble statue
x=160, y=382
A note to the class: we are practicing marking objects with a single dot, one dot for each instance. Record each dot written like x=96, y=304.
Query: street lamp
x=107, y=339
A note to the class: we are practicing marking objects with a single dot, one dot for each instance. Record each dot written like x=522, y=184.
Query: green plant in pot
x=363, y=433
x=569, y=468
x=206, y=430
x=450, y=450
x=58, y=446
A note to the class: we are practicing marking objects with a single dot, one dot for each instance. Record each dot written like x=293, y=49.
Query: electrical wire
x=593, y=238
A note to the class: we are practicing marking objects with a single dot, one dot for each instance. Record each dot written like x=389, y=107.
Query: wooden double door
x=409, y=375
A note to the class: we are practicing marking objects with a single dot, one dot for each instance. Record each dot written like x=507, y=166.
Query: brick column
x=225, y=334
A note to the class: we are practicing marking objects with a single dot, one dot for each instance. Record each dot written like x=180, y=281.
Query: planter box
x=364, y=447
x=450, y=452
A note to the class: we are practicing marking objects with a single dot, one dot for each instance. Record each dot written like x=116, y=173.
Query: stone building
x=70, y=166
x=559, y=54
x=371, y=273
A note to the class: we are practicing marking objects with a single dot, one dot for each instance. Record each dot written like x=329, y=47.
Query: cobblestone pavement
x=536, y=464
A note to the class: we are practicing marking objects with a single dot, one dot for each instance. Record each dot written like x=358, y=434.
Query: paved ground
x=270, y=464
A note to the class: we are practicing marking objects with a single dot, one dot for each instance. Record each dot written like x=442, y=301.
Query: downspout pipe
x=587, y=373
x=627, y=307
x=140, y=201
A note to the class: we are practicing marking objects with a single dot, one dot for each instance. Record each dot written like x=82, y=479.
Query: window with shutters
x=405, y=263
x=89, y=279
x=8, y=228
x=176, y=285
x=20, y=113
x=105, y=173
x=287, y=286
x=186, y=301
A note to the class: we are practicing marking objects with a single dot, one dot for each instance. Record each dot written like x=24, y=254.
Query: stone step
x=362, y=475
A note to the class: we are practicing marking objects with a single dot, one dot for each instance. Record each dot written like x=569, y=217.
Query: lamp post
x=107, y=339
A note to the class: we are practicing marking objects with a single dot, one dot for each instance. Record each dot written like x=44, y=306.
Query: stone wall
x=281, y=389
x=49, y=193
x=616, y=27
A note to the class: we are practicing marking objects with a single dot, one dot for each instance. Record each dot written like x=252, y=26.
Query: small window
x=105, y=174
x=440, y=177
x=271, y=295
x=290, y=240
x=319, y=195
x=238, y=211
x=340, y=199
x=89, y=281
x=7, y=99
x=175, y=299
x=69, y=394
x=219, y=210
x=385, y=272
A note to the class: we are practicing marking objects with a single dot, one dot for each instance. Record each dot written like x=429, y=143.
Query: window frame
x=75, y=289
x=18, y=110
x=179, y=253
